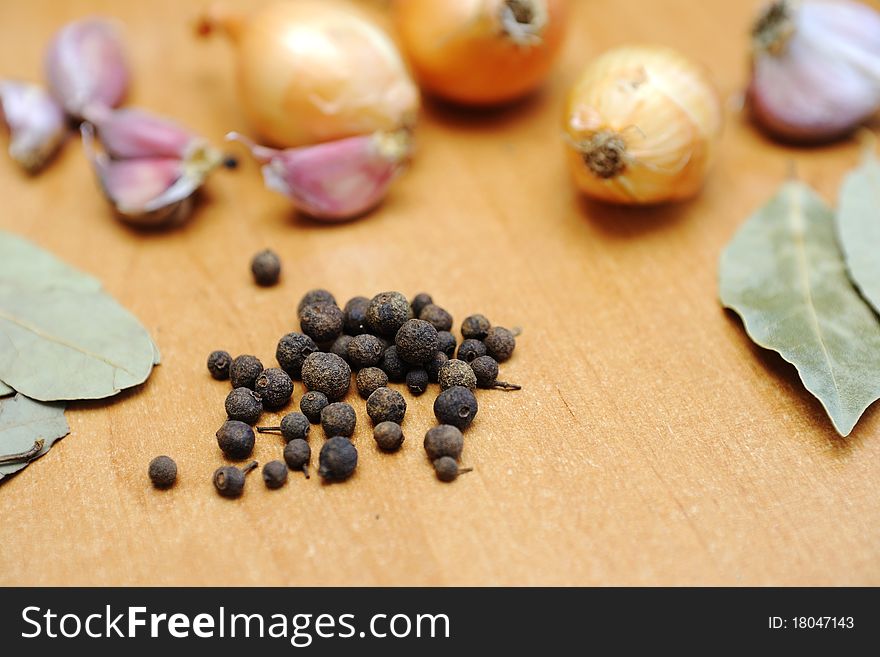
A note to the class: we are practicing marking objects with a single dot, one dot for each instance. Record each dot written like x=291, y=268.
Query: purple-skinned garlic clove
x=133, y=133
x=335, y=180
x=37, y=125
x=86, y=68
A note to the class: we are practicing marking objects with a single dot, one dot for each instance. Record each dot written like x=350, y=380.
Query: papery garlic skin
x=337, y=180
x=37, y=124
x=86, y=68
x=316, y=70
x=815, y=68
x=642, y=125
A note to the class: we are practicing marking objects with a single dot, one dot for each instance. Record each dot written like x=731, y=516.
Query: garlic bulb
x=641, y=126
x=37, y=125
x=815, y=68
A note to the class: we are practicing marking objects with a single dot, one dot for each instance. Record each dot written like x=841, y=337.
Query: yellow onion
x=317, y=70
x=481, y=52
x=642, y=125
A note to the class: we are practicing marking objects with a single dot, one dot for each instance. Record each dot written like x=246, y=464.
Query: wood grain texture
x=651, y=444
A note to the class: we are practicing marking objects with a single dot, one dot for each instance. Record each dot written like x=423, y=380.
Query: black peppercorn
x=386, y=404
x=327, y=373
x=292, y=351
x=445, y=440
x=218, y=364
x=244, y=371
x=229, y=480
x=416, y=341
x=311, y=405
x=338, y=419
x=432, y=367
x=392, y=364
x=388, y=436
x=471, y=349
x=162, y=472
x=338, y=459
x=266, y=267
x=314, y=296
x=275, y=474
x=447, y=469
x=446, y=343
x=322, y=322
x=340, y=346
x=293, y=426
x=236, y=439
x=456, y=373
x=486, y=370
x=354, y=314
x=437, y=317
x=500, y=343
x=365, y=350
x=245, y=405
x=475, y=327
x=419, y=301
x=456, y=406
x=387, y=312
x=275, y=387
x=297, y=455
x=369, y=379
x=417, y=381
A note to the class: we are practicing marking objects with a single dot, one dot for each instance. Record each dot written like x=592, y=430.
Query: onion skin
x=460, y=51
x=312, y=71
x=817, y=77
x=642, y=125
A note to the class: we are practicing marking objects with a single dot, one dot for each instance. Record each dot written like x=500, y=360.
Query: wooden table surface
x=651, y=444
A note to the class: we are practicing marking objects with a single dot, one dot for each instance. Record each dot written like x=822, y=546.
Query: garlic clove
x=86, y=67
x=37, y=125
x=336, y=180
x=132, y=133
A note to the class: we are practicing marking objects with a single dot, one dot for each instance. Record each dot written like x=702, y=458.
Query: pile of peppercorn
x=383, y=339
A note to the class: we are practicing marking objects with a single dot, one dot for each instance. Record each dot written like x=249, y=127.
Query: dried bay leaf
x=784, y=275
x=61, y=335
x=23, y=422
x=858, y=225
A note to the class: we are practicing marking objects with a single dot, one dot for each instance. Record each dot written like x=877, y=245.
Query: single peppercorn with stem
x=312, y=297
x=456, y=373
x=386, y=404
x=266, y=268
x=292, y=351
x=387, y=312
x=416, y=341
x=162, y=472
x=275, y=387
x=447, y=469
x=500, y=343
x=437, y=317
x=392, y=364
x=311, y=404
x=432, y=367
x=443, y=440
x=417, y=381
x=275, y=474
x=293, y=426
x=338, y=419
x=470, y=349
x=475, y=327
x=322, y=322
x=365, y=350
x=340, y=346
x=419, y=301
x=456, y=406
x=370, y=379
x=229, y=480
x=218, y=364
x=354, y=316
x=486, y=370
x=338, y=459
x=244, y=371
x=388, y=436
x=297, y=455
x=446, y=343
x=327, y=373
x=244, y=404
x=236, y=439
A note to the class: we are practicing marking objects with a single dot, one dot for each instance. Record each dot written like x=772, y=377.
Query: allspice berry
x=244, y=371
x=162, y=472
x=266, y=268
x=417, y=381
x=293, y=426
x=486, y=370
x=446, y=343
x=388, y=436
x=311, y=404
x=340, y=346
x=456, y=373
x=387, y=312
x=456, y=406
x=236, y=439
x=274, y=386
x=275, y=474
x=365, y=350
x=386, y=404
x=218, y=364
x=432, y=367
x=392, y=364
x=244, y=404
x=327, y=373
x=314, y=296
x=370, y=379
x=500, y=343
x=297, y=455
x=419, y=301
x=229, y=480
x=416, y=341
x=338, y=459
x=338, y=419
x=437, y=316
x=322, y=322
x=354, y=315
x=447, y=469
x=475, y=327
x=470, y=349
x=292, y=351
x=444, y=440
